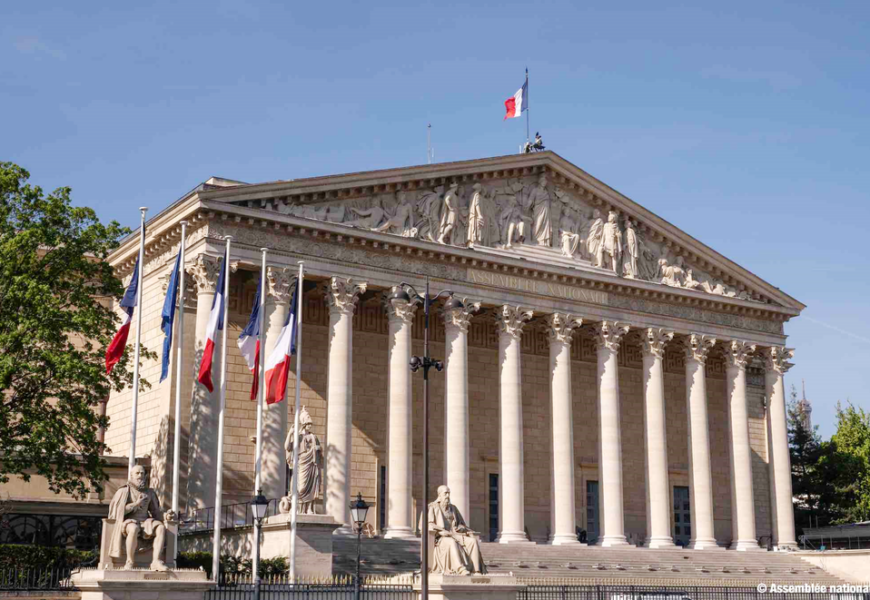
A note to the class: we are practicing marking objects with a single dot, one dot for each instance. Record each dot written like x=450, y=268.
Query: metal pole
x=219, y=480
x=294, y=505
x=256, y=558
x=528, y=93
x=424, y=534
x=358, y=545
x=179, y=372
x=429, y=143
x=258, y=460
x=134, y=410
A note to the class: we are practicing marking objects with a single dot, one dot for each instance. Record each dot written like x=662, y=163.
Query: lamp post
x=259, y=505
x=426, y=362
x=358, y=511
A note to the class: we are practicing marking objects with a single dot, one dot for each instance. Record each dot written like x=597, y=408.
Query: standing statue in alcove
x=310, y=471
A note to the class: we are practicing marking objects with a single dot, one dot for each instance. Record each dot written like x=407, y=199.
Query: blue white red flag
x=116, y=348
x=167, y=316
x=517, y=103
x=215, y=324
x=278, y=362
x=249, y=343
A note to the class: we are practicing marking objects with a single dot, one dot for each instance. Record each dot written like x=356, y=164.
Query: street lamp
x=358, y=511
x=259, y=505
x=426, y=362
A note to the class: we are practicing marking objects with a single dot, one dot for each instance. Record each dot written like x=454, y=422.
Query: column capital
x=279, y=280
x=608, y=334
x=561, y=326
x=654, y=340
x=205, y=271
x=511, y=320
x=698, y=347
x=459, y=314
x=738, y=354
x=398, y=306
x=342, y=294
x=776, y=359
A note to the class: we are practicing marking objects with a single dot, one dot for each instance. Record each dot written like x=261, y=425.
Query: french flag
x=215, y=324
x=249, y=343
x=116, y=349
x=517, y=103
x=278, y=362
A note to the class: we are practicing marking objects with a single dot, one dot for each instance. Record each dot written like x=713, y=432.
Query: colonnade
x=342, y=295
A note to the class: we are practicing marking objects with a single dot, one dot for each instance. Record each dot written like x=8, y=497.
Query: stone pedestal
x=313, y=542
x=137, y=584
x=471, y=587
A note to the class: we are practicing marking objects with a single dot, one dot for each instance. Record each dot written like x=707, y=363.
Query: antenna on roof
x=430, y=154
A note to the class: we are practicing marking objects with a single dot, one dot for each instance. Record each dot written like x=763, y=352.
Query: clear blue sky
x=744, y=123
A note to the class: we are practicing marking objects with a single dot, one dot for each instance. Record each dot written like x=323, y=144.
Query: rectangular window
x=382, y=494
x=493, y=506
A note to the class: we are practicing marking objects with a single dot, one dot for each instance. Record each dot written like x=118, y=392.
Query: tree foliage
x=55, y=324
x=849, y=455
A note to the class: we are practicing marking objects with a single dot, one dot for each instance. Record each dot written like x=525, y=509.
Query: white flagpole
x=179, y=372
x=294, y=506
x=219, y=480
x=261, y=377
x=134, y=410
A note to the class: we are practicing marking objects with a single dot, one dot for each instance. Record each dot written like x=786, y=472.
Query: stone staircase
x=594, y=565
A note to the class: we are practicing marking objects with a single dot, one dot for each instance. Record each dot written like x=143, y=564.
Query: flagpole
x=219, y=480
x=294, y=505
x=261, y=377
x=179, y=372
x=134, y=410
x=528, y=137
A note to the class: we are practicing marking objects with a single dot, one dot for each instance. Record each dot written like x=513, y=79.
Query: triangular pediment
x=538, y=207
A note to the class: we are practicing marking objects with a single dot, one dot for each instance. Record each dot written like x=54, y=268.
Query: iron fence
x=533, y=591
x=311, y=591
x=232, y=516
x=36, y=579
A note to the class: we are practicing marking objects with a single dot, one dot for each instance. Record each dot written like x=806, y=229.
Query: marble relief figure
x=632, y=252
x=476, y=219
x=429, y=210
x=402, y=220
x=457, y=548
x=310, y=471
x=369, y=218
x=450, y=216
x=539, y=200
x=610, y=247
x=569, y=232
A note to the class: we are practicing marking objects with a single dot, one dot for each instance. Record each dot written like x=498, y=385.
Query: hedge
x=231, y=564
x=19, y=556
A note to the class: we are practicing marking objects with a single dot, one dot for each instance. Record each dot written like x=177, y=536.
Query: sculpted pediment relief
x=527, y=215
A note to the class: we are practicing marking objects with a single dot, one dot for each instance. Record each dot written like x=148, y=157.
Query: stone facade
x=382, y=251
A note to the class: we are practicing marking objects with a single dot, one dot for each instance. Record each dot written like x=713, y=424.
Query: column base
x=344, y=531
x=400, y=533
x=613, y=541
x=564, y=539
x=745, y=545
x=512, y=537
x=709, y=544
x=659, y=543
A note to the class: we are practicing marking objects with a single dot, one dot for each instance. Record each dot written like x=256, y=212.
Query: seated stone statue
x=138, y=517
x=457, y=549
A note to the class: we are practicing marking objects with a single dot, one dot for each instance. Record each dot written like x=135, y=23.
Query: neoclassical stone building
x=603, y=369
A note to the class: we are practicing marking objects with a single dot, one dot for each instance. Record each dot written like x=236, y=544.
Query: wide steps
x=594, y=564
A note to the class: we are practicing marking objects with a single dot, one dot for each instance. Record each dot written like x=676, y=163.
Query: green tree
x=55, y=324
x=812, y=493
x=846, y=461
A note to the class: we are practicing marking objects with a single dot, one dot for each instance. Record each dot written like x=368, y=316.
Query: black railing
x=533, y=591
x=278, y=590
x=232, y=516
x=36, y=579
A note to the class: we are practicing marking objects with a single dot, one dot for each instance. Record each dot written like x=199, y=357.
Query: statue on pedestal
x=136, y=512
x=310, y=466
x=457, y=548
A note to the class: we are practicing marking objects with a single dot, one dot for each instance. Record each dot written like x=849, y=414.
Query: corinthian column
x=562, y=515
x=510, y=322
x=742, y=499
x=341, y=296
x=658, y=490
x=400, y=518
x=700, y=473
x=457, y=316
x=608, y=335
x=274, y=471
x=776, y=364
x=202, y=448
